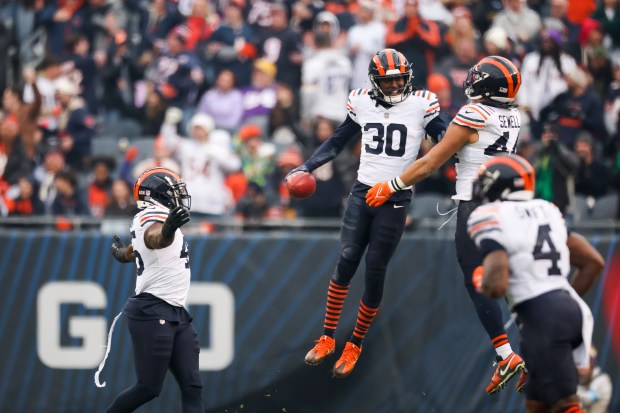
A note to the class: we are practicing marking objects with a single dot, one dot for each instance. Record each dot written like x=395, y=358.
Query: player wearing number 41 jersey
x=392, y=119
x=527, y=256
x=488, y=126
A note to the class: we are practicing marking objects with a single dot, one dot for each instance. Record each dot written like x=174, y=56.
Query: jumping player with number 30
x=161, y=329
x=487, y=126
x=393, y=118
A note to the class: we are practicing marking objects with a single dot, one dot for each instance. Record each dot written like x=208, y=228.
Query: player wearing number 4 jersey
x=161, y=329
x=488, y=126
x=527, y=256
x=392, y=118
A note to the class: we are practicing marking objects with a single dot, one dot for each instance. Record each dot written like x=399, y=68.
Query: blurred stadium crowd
x=235, y=93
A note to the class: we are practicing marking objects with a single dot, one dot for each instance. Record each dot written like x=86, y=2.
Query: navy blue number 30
x=385, y=139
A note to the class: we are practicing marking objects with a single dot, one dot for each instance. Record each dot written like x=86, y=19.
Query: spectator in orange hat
x=257, y=158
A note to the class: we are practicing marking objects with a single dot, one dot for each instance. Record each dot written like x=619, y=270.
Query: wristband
x=396, y=184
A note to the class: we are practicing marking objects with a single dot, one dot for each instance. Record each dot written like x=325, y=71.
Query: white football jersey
x=391, y=136
x=534, y=234
x=498, y=131
x=162, y=272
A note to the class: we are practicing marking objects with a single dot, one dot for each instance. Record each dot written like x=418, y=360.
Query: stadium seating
x=605, y=207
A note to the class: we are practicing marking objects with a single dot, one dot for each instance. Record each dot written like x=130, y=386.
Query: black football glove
x=177, y=217
x=118, y=249
x=302, y=168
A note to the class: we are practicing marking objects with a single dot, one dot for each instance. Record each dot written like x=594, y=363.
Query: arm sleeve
x=345, y=133
x=436, y=128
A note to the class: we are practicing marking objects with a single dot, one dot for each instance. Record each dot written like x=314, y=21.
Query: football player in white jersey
x=161, y=328
x=392, y=119
x=527, y=254
x=487, y=126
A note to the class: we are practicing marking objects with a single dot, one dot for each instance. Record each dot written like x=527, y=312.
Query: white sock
x=504, y=351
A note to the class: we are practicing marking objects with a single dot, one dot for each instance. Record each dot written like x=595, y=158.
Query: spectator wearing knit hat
x=206, y=158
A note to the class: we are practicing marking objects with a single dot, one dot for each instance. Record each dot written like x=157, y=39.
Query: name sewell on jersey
x=391, y=136
x=498, y=131
x=162, y=272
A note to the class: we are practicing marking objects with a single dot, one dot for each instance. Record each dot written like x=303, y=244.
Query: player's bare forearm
x=588, y=261
x=155, y=238
x=419, y=170
x=455, y=138
x=496, y=271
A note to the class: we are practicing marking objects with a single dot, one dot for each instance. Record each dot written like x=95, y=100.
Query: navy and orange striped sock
x=571, y=408
x=335, y=300
x=502, y=346
x=365, y=315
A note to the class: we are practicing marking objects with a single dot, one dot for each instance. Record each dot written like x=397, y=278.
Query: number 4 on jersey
x=552, y=254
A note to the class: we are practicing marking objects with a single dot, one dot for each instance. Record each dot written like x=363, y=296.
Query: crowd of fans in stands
x=235, y=93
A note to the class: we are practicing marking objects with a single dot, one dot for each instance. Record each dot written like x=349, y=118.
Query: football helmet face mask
x=505, y=177
x=495, y=78
x=161, y=187
x=388, y=64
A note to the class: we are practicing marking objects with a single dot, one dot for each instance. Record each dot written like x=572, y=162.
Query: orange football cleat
x=505, y=370
x=522, y=380
x=324, y=347
x=345, y=364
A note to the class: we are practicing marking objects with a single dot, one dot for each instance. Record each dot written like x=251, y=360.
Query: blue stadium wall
x=258, y=304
